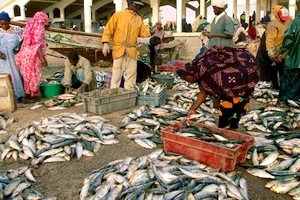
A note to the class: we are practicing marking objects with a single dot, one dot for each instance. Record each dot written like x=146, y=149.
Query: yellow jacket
x=275, y=32
x=124, y=28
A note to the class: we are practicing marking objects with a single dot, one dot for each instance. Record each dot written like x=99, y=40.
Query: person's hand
x=280, y=57
x=216, y=103
x=68, y=89
x=44, y=62
x=82, y=88
x=191, y=112
x=105, y=49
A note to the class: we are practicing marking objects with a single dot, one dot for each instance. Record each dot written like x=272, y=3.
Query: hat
x=4, y=16
x=219, y=3
x=158, y=23
x=283, y=14
x=137, y=2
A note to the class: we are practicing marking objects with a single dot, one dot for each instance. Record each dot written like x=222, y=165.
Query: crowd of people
x=236, y=56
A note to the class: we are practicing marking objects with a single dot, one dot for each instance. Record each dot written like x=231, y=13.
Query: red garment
x=27, y=58
x=252, y=32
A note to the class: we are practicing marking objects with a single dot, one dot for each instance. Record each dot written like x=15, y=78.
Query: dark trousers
x=278, y=68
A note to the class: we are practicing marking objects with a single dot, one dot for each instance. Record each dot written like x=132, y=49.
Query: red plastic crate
x=249, y=140
x=166, y=68
x=205, y=152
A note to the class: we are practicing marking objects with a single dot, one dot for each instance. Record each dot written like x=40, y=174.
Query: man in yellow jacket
x=274, y=39
x=124, y=28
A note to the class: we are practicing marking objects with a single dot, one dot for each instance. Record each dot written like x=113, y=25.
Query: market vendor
x=78, y=76
x=229, y=75
x=147, y=58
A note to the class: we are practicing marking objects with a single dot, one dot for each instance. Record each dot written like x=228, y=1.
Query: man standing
x=222, y=26
x=274, y=39
x=124, y=28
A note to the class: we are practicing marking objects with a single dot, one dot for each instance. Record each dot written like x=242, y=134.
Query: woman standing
x=31, y=56
x=8, y=64
x=229, y=75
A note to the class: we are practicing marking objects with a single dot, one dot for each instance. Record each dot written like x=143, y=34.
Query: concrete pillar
x=119, y=5
x=234, y=8
x=62, y=13
x=51, y=15
x=202, y=8
x=247, y=11
x=258, y=10
x=22, y=8
x=87, y=16
x=178, y=16
x=229, y=9
x=292, y=8
x=154, y=4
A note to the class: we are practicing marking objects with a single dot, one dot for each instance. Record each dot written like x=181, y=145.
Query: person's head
x=73, y=57
x=219, y=6
x=4, y=20
x=280, y=12
x=41, y=18
x=134, y=5
x=185, y=75
x=158, y=25
x=245, y=25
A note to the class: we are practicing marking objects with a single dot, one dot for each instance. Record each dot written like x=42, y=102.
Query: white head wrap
x=219, y=3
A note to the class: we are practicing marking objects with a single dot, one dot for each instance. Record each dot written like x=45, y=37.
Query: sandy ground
x=64, y=180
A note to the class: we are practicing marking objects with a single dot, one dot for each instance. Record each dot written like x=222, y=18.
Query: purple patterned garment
x=225, y=72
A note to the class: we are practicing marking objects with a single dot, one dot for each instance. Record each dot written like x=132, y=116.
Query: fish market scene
x=149, y=100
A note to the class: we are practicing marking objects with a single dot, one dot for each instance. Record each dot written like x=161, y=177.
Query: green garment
x=291, y=45
x=224, y=25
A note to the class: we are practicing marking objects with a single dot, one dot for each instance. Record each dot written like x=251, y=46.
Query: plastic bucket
x=51, y=90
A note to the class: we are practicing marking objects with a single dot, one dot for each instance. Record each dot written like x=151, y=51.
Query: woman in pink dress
x=31, y=56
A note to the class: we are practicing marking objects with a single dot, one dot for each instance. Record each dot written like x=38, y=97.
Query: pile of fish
x=150, y=85
x=144, y=124
x=271, y=118
x=59, y=102
x=56, y=76
x=59, y=138
x=16, y=184
x=264, y=93
x=160, y=175
x=6, y=121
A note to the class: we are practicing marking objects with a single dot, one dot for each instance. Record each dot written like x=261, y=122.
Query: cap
x=283, y=14
x=158, y=23
x=137, y=2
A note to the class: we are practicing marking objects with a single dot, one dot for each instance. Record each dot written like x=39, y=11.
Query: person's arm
x=201, y=98
x=42, y=57
x=271, y=35
x=289, y=39
x=88, y=74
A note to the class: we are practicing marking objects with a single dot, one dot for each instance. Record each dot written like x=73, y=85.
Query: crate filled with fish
x=164, y=78
x=107, y=101
x=213, y=146
x=151, y=93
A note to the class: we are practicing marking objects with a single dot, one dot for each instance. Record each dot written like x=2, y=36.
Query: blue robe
x=7, y=43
